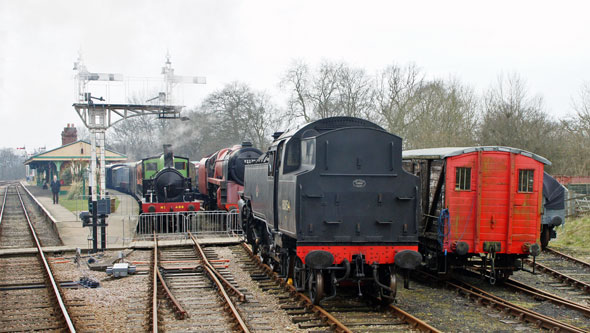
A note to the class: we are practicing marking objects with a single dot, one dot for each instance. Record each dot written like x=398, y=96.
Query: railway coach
x=481, y=207
x=329, y=204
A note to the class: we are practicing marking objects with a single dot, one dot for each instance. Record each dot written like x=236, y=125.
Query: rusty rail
x=334, y=323
x=538, y=293
x=414, y=322
x=3, y=205
x=214, y=276
x=206, y=262
x=178, y=308
x=547, y=296
x=567, y=257
x=325, y=316
x=49, y=274
x=521, y=313
x=564, y=278
x=155, y=287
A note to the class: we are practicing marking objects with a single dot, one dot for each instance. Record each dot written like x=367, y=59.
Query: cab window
x=151, y=166
x=308, y=152
x=179, y=165
x=292, y=155
x=271, y=162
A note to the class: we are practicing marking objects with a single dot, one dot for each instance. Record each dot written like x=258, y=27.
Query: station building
x=68, y=162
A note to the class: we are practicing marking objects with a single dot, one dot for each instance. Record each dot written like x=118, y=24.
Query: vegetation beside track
x=574, y=236
x=76, y=205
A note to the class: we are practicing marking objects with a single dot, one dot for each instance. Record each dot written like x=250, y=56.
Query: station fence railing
x=201, y=223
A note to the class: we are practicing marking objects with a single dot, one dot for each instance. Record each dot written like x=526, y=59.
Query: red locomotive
x=220, y=176
x=481, y=207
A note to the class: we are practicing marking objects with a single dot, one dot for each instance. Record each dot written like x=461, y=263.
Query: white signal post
x=99, y=117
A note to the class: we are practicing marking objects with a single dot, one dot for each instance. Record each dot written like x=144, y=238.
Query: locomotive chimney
x=69, y=135
x=246, y=144
x=168, y=156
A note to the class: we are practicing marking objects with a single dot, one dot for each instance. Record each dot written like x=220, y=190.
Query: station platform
x=120, y=229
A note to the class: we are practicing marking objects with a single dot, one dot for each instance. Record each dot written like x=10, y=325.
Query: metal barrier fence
x=211, y=223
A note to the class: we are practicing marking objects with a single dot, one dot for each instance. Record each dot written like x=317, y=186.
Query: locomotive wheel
x=545, y=237
x=316, y=286
x=299, y=274
x=390, y=294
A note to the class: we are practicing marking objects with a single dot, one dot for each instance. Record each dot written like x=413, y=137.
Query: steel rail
x=213, y=275
x=538, y=293
x=206, y=262
x=155, y=287
x=325, y=316
x=494, y=301
x=178, y=308
x=565, y=278
x=567, y=257
x=49, y=273
x=547, y=296
x=414, y=322
x=3, y=205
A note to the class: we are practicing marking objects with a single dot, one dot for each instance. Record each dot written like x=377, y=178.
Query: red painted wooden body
x=493, y=209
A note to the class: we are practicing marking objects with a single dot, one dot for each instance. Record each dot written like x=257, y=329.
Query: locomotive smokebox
x=168, y=156
x=408, y=259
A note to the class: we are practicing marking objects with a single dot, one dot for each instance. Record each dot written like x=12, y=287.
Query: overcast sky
x=547, y=43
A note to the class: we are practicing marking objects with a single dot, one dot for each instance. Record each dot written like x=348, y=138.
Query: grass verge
x=76, y=205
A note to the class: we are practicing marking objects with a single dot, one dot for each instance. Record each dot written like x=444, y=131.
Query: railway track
x=14, y=229
x=492, y=301
x=344, y=314
x=567, y=257
x=566, y=271
x=197, y=291
x=31, y=299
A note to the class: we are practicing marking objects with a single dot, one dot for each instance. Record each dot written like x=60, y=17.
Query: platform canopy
x=444, y=152
x=62, y=160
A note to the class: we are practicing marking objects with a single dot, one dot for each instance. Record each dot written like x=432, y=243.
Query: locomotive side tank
x=330, y=202
x=481, y=206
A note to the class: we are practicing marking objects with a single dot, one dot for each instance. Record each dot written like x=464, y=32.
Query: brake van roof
x=444, y=152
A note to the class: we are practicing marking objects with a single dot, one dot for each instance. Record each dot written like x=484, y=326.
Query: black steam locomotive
x=329, y=203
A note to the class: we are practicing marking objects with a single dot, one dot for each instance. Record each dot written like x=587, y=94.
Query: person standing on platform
x=55, y=185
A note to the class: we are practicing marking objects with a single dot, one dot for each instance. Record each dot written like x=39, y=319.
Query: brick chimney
x=69, y=135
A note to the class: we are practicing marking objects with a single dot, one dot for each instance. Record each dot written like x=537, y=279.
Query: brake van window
x=463, y=179
x=525, y=180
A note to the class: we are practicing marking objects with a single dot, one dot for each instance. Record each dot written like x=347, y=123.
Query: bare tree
x=11, y=165
x=396, y=97
x=236, y=113
x=512, y=118
x=446, y=115
x=296, y=81
x=575, y=137
x=355, y=93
